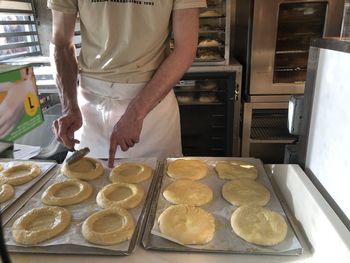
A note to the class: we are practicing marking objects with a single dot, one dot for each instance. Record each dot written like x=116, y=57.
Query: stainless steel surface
x=295, y=110
x=75, y=249
x=236, y=68
x=248, y=129
x=224, y=241
x=263, y=45
x=77, y=155
x=229, y=16
x=331, y=89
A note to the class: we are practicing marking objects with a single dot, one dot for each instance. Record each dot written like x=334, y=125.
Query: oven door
x=281, y=35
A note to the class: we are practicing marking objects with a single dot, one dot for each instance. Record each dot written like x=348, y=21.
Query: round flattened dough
x=229, y=170
x=40, y=224
x=108, y=227
x=245, y=192
x=187, y=169
x=20, y=173
x=183, y=191
x=259, y=225
x=85, y=169
x=115, y=195
x=68, y=192
x=6, y=192
x=189, y=225
x=131, y=173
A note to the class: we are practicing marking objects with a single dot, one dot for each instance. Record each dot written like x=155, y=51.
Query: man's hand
x=125, y=134
x=65, y=126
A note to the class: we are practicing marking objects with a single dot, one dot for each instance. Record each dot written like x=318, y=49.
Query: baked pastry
x=207, y=98
x=85, y=169
x=108, y=227
x=120, y=194
x=245, y=191
x=205, y=27
x=209, y=13
x=229, y=170
x=130, y=173
x=40, y=224
x=189, y=225
x=208, y=85
x=259, y=225
x=20, y=173
x=68, y=192
x=187, y=98
x=209, y=43
x=187, y=169
x=183, y=191
x=209, y=55
x=6, y=192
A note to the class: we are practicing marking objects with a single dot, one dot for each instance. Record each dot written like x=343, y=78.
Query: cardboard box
x=20, y=110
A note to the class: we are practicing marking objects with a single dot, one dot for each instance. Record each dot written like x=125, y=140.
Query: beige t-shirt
x=123, y=41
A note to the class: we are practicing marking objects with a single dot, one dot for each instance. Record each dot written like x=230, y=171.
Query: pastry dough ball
x=6, y=192
x=245, y=192
x=120, y=194
x=209, y=55
x=259, y=225
x=209, y=13
x=187, y=169
x=108, y=227
x=229, y=170
x=209, y=43
x=68, y=192
x=130, y=173
x=40, y=224
x=85, y=169
x=20, y=173
x=183, y=191
x=190, y=225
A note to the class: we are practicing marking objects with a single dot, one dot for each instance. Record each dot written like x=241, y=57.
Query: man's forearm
x=64, y=62
x=167, y=75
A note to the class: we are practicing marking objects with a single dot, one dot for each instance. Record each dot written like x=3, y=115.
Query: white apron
x=102, y=104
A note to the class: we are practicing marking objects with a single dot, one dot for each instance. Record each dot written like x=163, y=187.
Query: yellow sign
x=31, y=104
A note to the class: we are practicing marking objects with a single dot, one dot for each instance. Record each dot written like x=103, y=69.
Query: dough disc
x=108, y=227
x=187, y=169
x=229, y=170
x=183, y=191
x=6, y=192
x=187, y=224
x=40, y=224
x=20, y=173
x=68, y=192
x=116, y=195
x=245, y=192
x=259, y=225
x=85, y=169
x=131, y=173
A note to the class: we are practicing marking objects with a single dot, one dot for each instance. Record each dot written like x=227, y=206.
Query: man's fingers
x=112, y=149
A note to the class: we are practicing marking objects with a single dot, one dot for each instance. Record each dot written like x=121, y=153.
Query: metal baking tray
x=225, y=240
x=71, y=241
x=20, y=190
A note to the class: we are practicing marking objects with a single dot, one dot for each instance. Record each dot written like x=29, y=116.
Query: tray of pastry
x=86, y=209
x=221, y=205
x=18, y=176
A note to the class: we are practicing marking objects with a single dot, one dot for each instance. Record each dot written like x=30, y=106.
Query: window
x=18, y=30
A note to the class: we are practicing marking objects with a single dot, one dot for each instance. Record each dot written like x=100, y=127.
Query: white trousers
x=103, y=103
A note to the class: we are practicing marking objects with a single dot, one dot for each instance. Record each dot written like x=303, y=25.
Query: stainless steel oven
x=278, y=40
